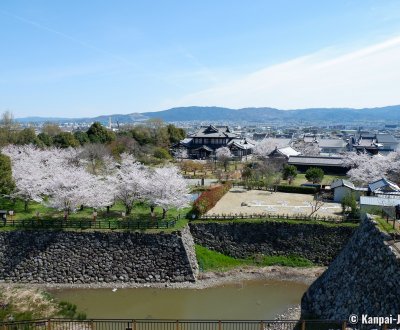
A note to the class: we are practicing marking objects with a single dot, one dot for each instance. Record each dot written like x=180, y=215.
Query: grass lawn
x=210, y=260
x=301, y=178
x=386, y=226
x=139, y=212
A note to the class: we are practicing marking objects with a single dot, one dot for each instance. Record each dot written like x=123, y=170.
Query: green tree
x=27, y=136
x=175, y=134
x=97, y=133
x=349, y=205
x=8, y=128
x=123, y=143
x=315, y=174
x=142, y=135
x=289, y=173
x=161, y=153
x=65, y=140
x=46, y=139
x=7, y=184
x=51, y=129
x=81, y=137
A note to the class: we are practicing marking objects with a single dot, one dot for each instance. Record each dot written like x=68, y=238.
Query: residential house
x=383, y=187
x=342, y=188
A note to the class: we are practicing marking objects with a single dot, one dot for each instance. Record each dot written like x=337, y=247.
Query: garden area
x=41, y=216
x=59, y=188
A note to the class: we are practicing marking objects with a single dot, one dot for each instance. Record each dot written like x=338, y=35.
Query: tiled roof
x=332, y=143
x=288, y=151
x=310, y=160
x=340, y=183
x=386, y=138
x=214, y=131
x=242, y=143
x=379, y=184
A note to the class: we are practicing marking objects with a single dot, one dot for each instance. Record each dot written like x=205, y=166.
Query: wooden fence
x=89, y=224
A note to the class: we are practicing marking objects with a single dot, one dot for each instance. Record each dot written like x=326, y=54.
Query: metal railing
x=89, y=224
x=106, y=324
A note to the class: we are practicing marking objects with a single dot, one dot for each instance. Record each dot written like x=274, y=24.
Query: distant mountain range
x=264, y=115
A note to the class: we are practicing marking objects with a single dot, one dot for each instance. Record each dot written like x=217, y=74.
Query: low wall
x=318, y=243
x=363, y=279
x=93, y=257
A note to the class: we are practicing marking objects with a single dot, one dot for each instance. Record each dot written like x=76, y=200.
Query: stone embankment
x=315, y=242
x=363, y=279
x=95, y=257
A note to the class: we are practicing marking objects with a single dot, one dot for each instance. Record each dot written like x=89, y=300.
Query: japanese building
x=208, y=139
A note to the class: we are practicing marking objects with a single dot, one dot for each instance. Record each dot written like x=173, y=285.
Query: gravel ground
x=259, y=201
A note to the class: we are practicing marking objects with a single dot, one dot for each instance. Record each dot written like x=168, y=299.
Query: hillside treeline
x=149, y=142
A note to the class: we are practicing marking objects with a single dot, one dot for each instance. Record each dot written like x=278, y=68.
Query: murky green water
x=245, y=300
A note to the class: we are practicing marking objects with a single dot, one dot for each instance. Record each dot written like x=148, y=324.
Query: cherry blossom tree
x=69, y=188
x=365, y=168
x=223, y=155
x=167, y=189
x=29, y=172
x=129, y=181
x=263, y=148
x=306, y=148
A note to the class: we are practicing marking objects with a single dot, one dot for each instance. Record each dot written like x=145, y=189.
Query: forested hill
x=213, y=114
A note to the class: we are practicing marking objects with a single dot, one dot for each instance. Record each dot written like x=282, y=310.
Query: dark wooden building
x=208, y=139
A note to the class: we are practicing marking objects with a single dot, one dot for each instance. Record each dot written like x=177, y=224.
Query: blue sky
x=84, y=58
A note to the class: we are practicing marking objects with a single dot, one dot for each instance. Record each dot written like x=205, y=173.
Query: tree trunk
x=128, y=209
x=26, y=205
x=152, y=207
x=164, y=213
x=108, y=208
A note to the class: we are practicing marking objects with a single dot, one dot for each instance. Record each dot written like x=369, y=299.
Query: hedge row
x=207, y=200
x=297, y=189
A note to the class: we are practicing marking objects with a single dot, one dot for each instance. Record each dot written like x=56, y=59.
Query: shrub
x=209, y=198
x=297, y=189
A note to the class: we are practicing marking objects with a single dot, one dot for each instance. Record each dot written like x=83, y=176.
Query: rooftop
x=332, y=143
x=315, y=160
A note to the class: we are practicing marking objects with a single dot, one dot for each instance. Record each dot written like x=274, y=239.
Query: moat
x=241, y=300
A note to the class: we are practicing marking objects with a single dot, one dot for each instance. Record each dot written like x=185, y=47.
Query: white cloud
x=367, y=77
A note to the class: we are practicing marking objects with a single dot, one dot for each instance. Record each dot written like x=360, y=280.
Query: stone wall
x=318, y=243
x=363, y=279
x=188, y=244
x=92, y=257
